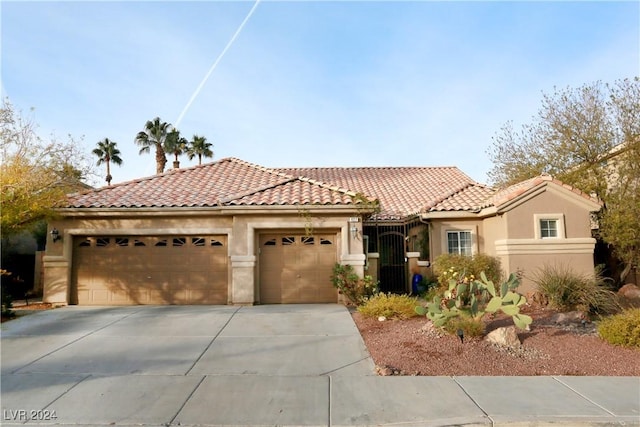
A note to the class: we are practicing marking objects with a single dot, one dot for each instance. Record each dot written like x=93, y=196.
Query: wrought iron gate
x=390, y=241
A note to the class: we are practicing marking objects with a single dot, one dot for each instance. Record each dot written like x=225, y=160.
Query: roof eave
x=215, y=210
x=448, y=214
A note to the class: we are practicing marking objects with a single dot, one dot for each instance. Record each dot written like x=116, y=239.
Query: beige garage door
x=296, y=268
x=149, y=270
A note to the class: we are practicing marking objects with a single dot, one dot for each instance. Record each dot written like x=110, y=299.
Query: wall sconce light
x=55, y=235
x=354, y=231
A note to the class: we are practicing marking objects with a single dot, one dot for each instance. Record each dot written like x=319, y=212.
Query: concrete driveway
x=178, y=364
x=262, y=365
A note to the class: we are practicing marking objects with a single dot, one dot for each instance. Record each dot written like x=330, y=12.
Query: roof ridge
x=261, y=168
x=152, y=177
x=368, y=167
x=333, y=187
x=455, y=191
x=255, y=190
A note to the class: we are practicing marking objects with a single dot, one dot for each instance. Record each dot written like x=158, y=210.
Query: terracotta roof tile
x=469, y=198
x=402, y=191
x=228, y=181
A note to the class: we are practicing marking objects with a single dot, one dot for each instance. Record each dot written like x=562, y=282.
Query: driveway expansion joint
x=583, y=396
x=213, y=340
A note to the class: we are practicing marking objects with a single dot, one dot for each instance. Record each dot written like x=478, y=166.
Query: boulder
x=568, y=318
x=507, y=336
x=629, y=291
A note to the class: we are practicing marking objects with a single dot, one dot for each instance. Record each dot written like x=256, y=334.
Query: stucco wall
x=495, y=228
x=521, y=222
x=523, y=250
x=512, y=233
x=242, y=229
x=439, y=237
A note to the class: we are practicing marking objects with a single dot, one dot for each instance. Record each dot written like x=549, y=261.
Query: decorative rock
x=506, y=336
x=568, y=318
x=431, y=330
x=630, y=291
x=381, y=319
x=384, y=371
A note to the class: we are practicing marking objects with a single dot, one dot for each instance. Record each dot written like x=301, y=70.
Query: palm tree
x=199, y=147
x=107, y=153
x=176, y=145
x=154, y=135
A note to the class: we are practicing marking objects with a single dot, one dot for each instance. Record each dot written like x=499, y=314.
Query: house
x=232, y=232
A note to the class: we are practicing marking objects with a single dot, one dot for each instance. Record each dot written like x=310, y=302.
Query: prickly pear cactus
x=476, y=298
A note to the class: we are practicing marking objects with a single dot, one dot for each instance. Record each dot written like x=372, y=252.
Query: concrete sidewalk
x=264, y=365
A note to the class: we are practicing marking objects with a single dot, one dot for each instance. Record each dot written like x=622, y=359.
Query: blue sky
x=326, y=83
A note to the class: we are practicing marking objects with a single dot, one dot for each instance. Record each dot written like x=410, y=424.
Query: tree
x=199, y=147
x=35, y=175
x=107, y=153
x=587, y=137
x=154, y=135
x=176, y=145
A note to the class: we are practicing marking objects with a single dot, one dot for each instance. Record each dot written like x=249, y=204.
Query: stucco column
x=56, y=279
x=372, y=269
x=56, y=263
x=242, y=280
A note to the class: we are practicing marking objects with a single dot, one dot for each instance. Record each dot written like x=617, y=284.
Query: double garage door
x=121, y=270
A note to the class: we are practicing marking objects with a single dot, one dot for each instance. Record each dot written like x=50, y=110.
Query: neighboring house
x=231, y=232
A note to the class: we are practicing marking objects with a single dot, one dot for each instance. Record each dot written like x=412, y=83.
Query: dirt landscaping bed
x=411, y=347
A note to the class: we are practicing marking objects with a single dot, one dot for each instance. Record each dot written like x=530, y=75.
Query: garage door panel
x=150, y=270
x=296, y=268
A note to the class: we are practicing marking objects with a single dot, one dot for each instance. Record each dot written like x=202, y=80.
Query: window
x=215, y=242
x=102, y=242
x=286, y=241
x=308, y=240
x=459, y=242
x=548, y=228
x=122, y=241
x=179, y=241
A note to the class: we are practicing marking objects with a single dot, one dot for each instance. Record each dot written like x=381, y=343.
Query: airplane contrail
x=215, y=64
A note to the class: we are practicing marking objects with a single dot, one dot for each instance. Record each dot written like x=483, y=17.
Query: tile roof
x=227, y=182
x=505, y=195
x=470, y=198
x=402, y=191
x=475, y=197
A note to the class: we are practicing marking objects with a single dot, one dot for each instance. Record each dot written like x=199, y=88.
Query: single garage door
x=122, y=270
x=296, y=268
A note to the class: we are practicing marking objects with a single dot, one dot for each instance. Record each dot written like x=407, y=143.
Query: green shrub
x=390, y=306
x=470, y=327
x=622, y=329
x=448, y=264
x=566, y=290
x=349, y=284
